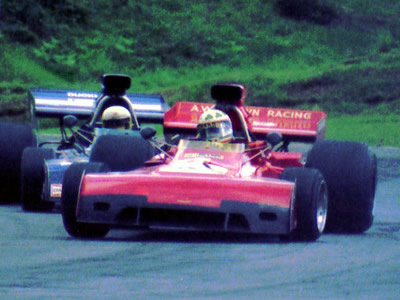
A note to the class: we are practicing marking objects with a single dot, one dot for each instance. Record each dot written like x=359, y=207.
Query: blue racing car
x=83, y=117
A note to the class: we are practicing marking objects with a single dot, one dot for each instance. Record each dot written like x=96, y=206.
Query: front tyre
x=33, y=177
x=14, y=138
x=121, y=153
x=311, y=203
x=350, y=171
x=69, y=199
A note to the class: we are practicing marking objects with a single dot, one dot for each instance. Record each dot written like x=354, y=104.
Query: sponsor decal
x=254, y=112
x=289, y=114
x=55, y=190
x=200, y=108
x=184, y=201
x=57, y=103
x=203, y=155
x=287, y=124
x=294, y=124
x=196, y=110
x=81, y=95
x=196, y=165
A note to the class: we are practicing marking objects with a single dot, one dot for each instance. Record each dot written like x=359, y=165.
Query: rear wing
x=293, y=124
x=44, y=103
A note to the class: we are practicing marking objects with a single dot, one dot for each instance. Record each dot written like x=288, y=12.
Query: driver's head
x=116, y=117
x=215, y=126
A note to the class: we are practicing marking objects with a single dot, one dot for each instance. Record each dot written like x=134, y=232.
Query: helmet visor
x=115, y=123
x=217, y=131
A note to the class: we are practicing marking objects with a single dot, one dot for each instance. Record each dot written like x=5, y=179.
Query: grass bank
x=373, y=129
x=345, y=62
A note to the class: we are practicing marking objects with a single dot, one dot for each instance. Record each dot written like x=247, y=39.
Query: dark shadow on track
x=187, y=237
x=193, y=237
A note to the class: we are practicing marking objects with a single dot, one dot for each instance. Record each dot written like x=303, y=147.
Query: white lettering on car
x=253, y=112
x=81, y=95
x=203, y=108
x=289, y=114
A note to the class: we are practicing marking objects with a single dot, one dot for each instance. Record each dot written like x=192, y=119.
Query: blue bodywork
x=54, y=174
x=58, y=103
x=70, y=106
x=56, y=168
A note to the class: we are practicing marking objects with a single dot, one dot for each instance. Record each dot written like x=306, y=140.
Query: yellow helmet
x=215, y=125
x=116, y=117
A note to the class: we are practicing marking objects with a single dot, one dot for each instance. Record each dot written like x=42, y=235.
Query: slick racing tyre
x=33, y=177
x=14, y=138
x=350, y=170
x=311, y=203
x=69, y=198
x=121, y=153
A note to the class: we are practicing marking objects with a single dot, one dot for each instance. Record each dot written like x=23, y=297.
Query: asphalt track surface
x=38, y=260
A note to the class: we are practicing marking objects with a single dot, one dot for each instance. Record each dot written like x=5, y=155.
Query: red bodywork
x=208, y=186
x=293, y=124
x=231, y=187
x=300, y=125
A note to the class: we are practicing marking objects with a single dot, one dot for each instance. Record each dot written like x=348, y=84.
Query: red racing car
x=252, y=184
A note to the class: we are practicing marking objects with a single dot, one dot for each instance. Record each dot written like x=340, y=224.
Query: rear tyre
x=121, y=153
x=33, y=177
x=14, y=138
x=69, y=199
x=311, y=203
x=350, y=170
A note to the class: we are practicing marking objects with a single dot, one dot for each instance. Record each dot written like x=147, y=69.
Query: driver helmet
x=215, y=126
x=116, y=117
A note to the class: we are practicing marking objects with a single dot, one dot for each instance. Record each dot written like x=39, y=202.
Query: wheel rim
x=322, y=207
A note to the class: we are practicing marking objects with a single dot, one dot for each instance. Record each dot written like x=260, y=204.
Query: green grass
x=373, y=129
x=56, y=130
x=48, y=130
x=349, y=67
